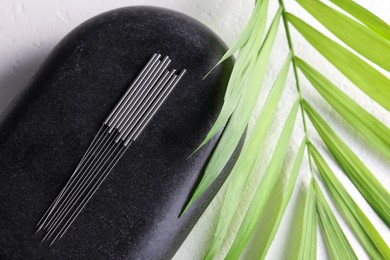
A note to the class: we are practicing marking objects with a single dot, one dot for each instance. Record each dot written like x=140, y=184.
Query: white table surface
x=30, y=29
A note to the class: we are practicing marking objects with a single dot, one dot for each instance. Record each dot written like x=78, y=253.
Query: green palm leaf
x=289, y=187
x=249, y=45
x=264, y=190
x=239, y=119
x=335, y=240
x=365, y=16
x=372, y=190
x=308, y=240
x=363, y=75
x=353, y=33
x=244, y=167
x=371, y=128
x=367, y=35
x=247, y=40
x=356, y=219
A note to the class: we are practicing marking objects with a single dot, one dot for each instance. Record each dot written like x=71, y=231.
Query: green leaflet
x=243, y=168
x=264, y=190
x=243, y=69
x=371, y=189
x=354, y=34
x=371, y=128
x=354, y=216
x=364, y=76
x=244, y=35
x=335, y=240
x=308, y=243
x=289, y=187
x=365, y=16
x=239, y=119
x=240, y=99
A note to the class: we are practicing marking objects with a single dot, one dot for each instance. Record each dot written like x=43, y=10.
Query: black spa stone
x=134, y=214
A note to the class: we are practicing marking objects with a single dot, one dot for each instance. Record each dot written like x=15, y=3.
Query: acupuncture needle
x=151, y=71
x=145, y=104
x=153, y=109
x=65, y=213
x=142, y=95
x=62, y=192
x=58, y=222
x=157, y=73
x=78, y=191
x=58, y=219
x=90, y=179
x=146, y=120
x=138, y=80
x=71, y=180
x=89, y=195
x=53, y=210
x=166, y=61
x=66, y=196
x=133, y=94
x=68, y=200
x=130, y=127
x=90, y=176
x=143, y=123
x=144, y=72
x=151, y=79
x=130, y=116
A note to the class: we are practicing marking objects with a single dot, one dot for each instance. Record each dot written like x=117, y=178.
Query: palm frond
x=362, y=74
x=364, y=16
x=354, y=34
x=239, y=119
x=374, y=131
x=249, y=45
x=274, y=222
x=246, y=41
x=308, y=240
x=264, y=190
x=368, y=236
x=371, y=189
x=369, y=37
x=335, y=239
x=244, y=167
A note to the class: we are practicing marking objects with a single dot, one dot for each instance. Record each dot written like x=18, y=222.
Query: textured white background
x=30, y=29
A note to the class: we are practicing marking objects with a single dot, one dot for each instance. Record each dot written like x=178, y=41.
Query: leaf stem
x=290, y=45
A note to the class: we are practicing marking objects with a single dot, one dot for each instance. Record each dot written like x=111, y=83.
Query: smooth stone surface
x=134, y=214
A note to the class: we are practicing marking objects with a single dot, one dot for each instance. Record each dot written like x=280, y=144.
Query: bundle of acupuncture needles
x=122, y=127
